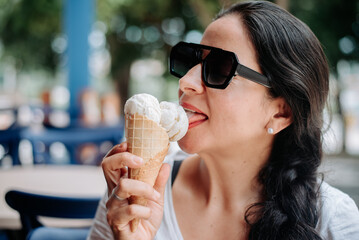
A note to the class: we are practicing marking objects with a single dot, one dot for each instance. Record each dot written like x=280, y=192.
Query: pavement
x=342, y=172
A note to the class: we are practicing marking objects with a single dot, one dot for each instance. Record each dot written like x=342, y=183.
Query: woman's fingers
x=120, y=213
x=121, y=216
x=116, y=163
x=162, y=178
x=128, y=187
x=122, y=147
x=115, y=167
x=120, y=160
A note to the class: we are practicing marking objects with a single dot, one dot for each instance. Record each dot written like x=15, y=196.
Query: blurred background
x=67, y=67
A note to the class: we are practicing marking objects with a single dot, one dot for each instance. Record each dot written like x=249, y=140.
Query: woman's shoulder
x=331, y=197
x=338, y=214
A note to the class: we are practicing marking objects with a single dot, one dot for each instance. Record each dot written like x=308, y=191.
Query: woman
x=254, y=138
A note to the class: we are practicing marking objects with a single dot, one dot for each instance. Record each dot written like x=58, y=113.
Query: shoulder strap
x=175, y=169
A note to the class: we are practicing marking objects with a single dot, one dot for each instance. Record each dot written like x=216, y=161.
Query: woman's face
x=224, y=120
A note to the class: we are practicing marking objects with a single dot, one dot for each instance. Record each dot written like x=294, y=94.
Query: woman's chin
x=187, y=146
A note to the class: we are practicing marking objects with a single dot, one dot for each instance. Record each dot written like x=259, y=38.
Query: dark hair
x=292, y=58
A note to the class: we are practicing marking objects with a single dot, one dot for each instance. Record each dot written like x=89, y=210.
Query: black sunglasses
x=218, y=66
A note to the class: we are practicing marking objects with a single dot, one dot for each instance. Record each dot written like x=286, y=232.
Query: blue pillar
x=79, y=16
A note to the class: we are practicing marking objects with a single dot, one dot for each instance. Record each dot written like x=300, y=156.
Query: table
x=57, y=180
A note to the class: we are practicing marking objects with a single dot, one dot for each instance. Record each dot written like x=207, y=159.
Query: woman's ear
x=281, y=115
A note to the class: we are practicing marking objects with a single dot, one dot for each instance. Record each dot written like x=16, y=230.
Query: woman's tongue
x=195, y=117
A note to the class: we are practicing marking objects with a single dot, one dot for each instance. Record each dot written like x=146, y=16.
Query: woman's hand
x=120, y=188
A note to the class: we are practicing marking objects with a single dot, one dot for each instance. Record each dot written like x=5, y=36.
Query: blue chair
x=10, y=139
x=30, y=206
x=73, y=138
x=46, y=233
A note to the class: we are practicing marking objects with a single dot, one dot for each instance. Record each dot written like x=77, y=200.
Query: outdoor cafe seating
x=45, y=186
x=30, y=206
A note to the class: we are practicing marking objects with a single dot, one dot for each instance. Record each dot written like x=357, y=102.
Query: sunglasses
x=218, y=66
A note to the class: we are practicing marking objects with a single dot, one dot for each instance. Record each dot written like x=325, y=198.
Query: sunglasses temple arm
x=253, y=75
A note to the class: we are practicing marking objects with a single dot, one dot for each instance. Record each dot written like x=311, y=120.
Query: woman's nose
x=191, y=83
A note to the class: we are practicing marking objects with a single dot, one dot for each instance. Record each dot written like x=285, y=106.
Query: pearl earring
x=270, y=130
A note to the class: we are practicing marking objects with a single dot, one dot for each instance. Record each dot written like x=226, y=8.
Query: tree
x=130, y=21
x=332, y=21
x=27, y=29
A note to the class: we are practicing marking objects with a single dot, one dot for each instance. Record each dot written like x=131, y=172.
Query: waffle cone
x=148, y=140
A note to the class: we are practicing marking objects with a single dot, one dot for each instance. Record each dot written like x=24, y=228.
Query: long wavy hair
x=292, y=58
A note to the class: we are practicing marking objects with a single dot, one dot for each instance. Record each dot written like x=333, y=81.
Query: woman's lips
x=195, y=119
x=195, y=116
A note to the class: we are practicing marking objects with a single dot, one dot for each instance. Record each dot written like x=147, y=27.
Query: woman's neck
x=232, y=180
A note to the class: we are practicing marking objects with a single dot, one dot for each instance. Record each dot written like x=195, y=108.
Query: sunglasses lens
x=218, y=65
x=218, y=68
x=183, y=58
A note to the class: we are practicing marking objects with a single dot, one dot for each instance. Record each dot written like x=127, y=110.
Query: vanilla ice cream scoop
x=174, y=120
x=144, y=104
x=170, y=116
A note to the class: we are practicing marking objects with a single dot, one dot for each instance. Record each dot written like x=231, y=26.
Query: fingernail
x=137, y=160
x=157, y=195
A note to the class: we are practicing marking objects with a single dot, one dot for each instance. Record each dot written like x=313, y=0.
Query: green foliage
x=330, y=21
x=142, y=14
x=28, y=27
x=27, y=30
x=148, y=17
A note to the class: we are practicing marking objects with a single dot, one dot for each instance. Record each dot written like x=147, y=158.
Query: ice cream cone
x=147, y=139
